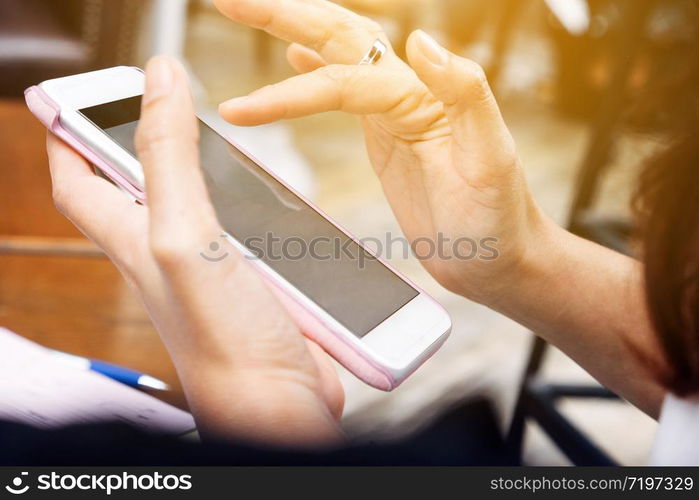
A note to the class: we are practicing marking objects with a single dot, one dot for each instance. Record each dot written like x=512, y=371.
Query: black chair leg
x=515, y=435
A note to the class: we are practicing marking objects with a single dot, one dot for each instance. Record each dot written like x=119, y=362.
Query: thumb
x=167, y=144
x=181, y=217
x=461, y=85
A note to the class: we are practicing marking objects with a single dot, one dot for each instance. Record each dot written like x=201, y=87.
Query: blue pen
x=115, y=372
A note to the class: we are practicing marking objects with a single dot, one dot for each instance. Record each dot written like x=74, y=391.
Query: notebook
x=38, y=390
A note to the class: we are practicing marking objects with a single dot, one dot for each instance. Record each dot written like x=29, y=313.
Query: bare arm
x=588, y=301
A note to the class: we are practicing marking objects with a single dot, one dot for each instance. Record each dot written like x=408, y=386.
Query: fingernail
x=431, y=49
x=159, y=79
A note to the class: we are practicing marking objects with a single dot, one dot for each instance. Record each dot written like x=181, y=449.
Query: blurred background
x=571, y=77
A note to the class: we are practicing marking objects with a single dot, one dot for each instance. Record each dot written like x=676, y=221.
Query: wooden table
x=75, y=304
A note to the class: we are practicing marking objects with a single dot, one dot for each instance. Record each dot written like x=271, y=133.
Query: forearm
x=588, y=301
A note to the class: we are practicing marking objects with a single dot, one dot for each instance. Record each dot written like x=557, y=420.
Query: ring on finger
x=374, y=54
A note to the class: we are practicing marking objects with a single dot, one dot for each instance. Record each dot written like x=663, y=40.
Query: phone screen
x=279, y=228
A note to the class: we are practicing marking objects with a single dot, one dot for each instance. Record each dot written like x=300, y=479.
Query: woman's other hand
x=449, y=168
x=434, y=134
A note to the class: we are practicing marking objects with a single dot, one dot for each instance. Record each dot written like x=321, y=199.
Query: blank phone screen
x=279, y=228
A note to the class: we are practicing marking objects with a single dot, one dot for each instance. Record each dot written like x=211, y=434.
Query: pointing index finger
x=361, y=90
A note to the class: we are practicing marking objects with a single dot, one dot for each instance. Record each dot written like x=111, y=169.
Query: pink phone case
x=48, y=112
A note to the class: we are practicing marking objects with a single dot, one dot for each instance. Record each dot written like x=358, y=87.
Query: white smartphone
x=365, y=314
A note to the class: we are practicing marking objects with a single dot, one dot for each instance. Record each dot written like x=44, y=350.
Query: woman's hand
x=433, y=131
x=247, y=371
x=449, y=168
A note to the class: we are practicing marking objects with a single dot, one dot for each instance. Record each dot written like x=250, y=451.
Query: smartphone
x=372, y=320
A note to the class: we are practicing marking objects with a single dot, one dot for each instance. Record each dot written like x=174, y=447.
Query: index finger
x=91, y=203
x=337, y=34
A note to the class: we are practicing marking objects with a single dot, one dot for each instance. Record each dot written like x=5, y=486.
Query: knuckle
x=178, y=249
x=149, y=133
x=269, y=20
x=347, y=22
x=154, y=138
x=372, y=26
x=330, y=72
x=469, y=85
x=413, y=97
x=148, y=137
x=335, y=77
x=475, y=78
x=355, y=27
x=343, y=76
x=168, y=251
x=348, y=77
x=322, y=43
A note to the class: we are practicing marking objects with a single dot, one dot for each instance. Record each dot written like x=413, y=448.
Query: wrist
x=520, y=263
x=259, y=407
x=532, y=273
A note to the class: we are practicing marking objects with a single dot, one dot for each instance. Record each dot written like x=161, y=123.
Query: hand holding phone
x=246, y=368
x=371, y=319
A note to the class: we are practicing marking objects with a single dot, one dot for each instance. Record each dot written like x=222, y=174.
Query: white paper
x=37, y=389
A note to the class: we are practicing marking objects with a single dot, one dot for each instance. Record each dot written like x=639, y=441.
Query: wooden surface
x=26, y=207
x=79, y=305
